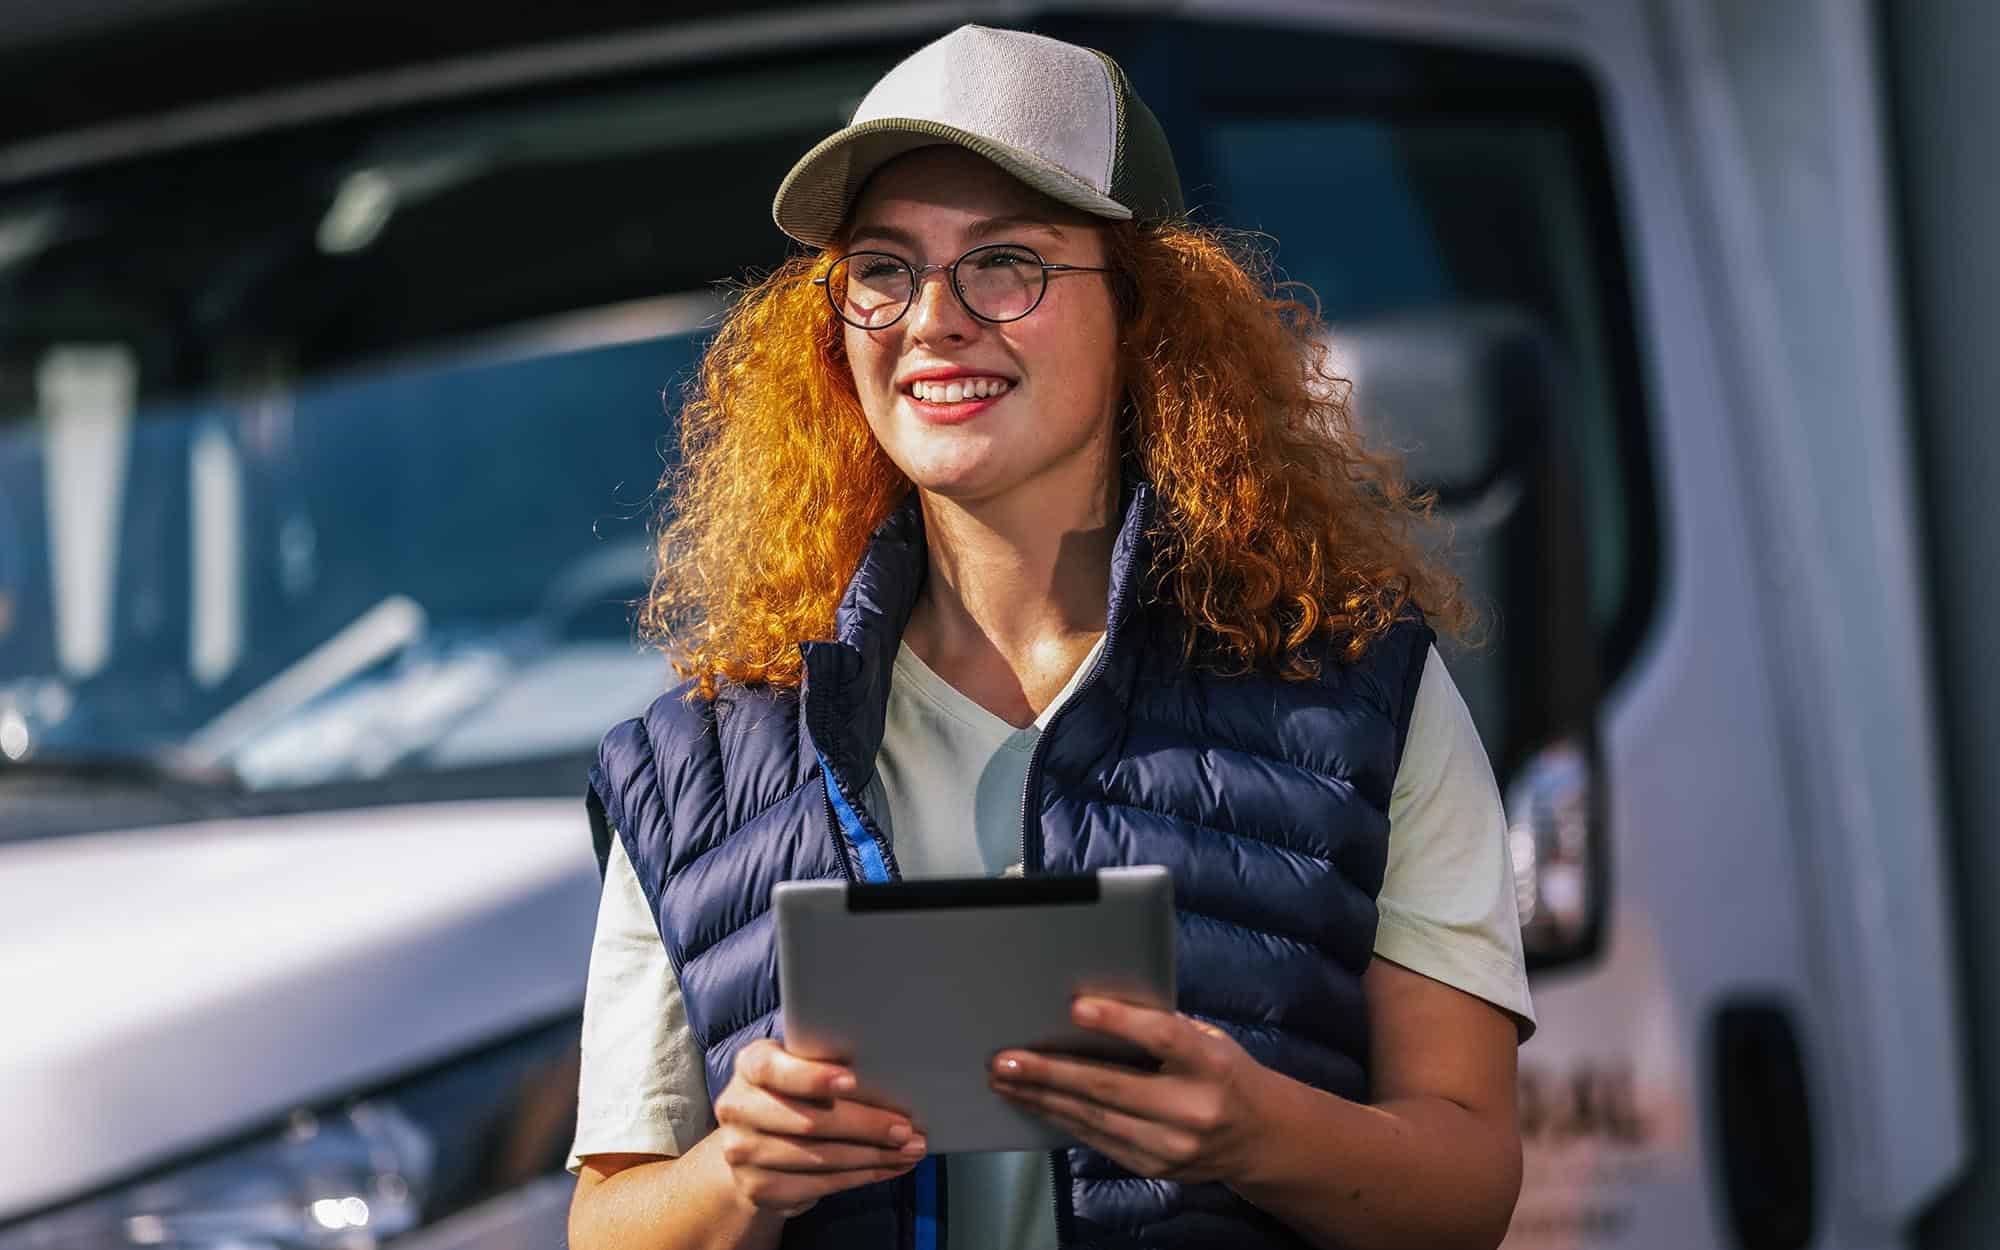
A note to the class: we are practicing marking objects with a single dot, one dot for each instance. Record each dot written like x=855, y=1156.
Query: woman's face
x=1055, y=370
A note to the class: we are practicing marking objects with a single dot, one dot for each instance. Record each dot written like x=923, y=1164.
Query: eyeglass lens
x=1000, y=282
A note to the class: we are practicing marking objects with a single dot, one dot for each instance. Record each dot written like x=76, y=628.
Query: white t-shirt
x=1446, y=910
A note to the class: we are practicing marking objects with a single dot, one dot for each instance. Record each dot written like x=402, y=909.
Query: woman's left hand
x=1192, y=1121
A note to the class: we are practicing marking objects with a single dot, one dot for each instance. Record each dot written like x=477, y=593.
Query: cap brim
x=813, y=200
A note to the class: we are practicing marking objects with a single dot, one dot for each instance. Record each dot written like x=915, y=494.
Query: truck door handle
x=1765, y=1124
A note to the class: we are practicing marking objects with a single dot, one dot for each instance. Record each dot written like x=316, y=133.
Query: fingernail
x=843, y=1083
x=899, y=1132
x=914, y=1147
x=1087, y=1013
x=1010, y=1066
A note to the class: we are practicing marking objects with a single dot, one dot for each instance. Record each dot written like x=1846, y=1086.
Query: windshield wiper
x=55, y=792
x=157, y=772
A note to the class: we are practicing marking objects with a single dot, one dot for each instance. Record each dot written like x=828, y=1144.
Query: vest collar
x=845, y=697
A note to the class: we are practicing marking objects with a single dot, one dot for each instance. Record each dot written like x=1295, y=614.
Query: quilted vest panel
x=1266, y=799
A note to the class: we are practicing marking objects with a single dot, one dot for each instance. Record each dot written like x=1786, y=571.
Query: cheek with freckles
x=869, y=365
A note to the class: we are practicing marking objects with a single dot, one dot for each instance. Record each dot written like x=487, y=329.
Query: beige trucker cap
x=1061, y=118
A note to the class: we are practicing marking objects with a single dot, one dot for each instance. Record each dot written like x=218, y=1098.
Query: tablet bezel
x=896, y=978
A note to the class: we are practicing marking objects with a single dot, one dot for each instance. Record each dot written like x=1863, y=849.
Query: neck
x=1020, y=579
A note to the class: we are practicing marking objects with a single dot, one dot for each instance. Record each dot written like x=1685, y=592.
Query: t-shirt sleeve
x=1447, y=905
x=642, y=1088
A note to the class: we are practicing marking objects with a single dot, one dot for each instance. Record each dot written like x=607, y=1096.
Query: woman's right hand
x=790, y=1135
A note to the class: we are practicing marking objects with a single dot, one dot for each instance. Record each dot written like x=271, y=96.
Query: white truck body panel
x=169, y=987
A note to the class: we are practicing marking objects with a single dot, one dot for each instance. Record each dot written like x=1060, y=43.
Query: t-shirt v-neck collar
x=960, y=707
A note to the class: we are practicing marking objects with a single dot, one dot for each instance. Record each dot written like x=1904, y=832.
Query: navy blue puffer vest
x=1268, y=800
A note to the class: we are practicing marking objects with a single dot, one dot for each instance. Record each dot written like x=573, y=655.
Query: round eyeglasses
x=997, y=282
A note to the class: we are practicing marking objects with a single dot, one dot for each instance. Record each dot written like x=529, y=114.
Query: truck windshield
x=303, y=578
x=330, y=455
x=330, y=459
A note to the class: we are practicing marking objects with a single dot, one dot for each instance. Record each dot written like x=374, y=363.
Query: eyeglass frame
x=919, y=272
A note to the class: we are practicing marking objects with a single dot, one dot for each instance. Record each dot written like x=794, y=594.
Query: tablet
x=917, y=985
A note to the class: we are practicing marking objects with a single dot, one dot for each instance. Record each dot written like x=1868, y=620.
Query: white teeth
x=958, y=391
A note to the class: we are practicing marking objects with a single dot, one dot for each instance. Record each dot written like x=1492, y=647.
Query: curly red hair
x=1276, y=526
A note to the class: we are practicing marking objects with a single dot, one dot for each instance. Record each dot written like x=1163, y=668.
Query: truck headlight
x=352, y=1175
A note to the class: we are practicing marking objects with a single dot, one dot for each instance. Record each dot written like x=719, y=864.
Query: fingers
x=790, y=1137
x=1168, y=1036
x=1142, y=1147
x=1191, y=1102
x=768, y=1129
x=776, y=1153
x=1154, y=1123
x=1112, y=1084
x=787, y=1150
x=756, y=1109
x=1149, y=1134
x=792, y=1193
x=779, y=1092
x=767, y=1064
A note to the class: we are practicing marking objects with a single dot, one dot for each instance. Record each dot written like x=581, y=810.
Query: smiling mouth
x=958, y=390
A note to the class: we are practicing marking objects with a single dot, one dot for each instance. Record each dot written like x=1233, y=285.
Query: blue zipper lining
x=927, y=1204
x=874, y=868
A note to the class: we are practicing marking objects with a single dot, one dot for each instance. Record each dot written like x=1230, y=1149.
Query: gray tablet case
x=918, y=984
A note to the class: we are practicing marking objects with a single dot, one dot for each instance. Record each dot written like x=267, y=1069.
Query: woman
x=1106, y=580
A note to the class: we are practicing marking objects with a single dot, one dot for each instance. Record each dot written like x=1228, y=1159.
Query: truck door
x=1468, y=220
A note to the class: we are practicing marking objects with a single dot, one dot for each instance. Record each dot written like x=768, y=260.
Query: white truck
x=339, y=353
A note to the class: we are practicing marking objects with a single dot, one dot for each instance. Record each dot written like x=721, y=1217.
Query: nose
x=935, y=311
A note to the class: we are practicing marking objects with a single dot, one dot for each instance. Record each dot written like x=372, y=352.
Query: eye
x=1007, y=257
x=871, y=267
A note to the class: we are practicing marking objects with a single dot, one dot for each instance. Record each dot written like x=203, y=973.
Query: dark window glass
x=328, y=457
x=1383, y=218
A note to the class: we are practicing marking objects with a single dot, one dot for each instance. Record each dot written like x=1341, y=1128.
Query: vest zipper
x=1031, y=830
x=937, y=1165
x=839, y=839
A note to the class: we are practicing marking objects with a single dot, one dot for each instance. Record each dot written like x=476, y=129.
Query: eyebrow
x=979, y=229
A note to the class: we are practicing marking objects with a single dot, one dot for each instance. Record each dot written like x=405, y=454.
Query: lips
x=952, y=414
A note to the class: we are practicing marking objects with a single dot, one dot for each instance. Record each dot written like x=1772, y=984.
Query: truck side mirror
x=1473, y=397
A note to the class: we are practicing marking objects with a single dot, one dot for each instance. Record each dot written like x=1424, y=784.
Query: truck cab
x=337, y=398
